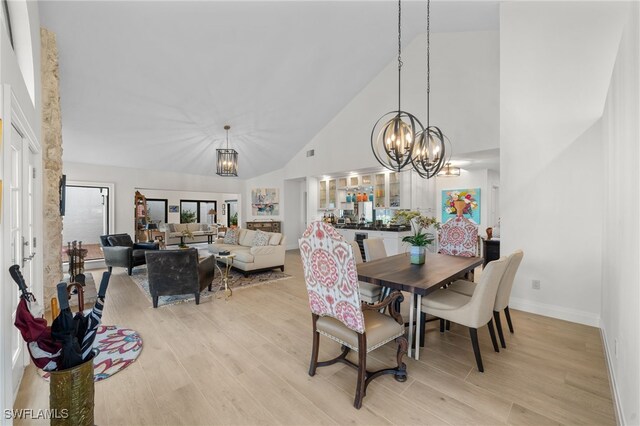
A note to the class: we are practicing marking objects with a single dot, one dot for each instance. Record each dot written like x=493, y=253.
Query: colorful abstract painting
x=471, y=197
x=265, y=201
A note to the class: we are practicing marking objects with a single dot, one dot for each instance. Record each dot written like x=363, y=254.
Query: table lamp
x=150, y=227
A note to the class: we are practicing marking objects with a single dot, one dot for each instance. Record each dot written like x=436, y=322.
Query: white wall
x=464, y=103
x=621, y=232
x=126, y=181
x=294, y=219
x=556, y=61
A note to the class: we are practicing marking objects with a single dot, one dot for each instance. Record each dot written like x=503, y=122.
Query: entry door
x=19, y=234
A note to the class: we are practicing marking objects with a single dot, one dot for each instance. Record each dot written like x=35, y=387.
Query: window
x=199, y=211
x=157, y=210
x=86, y=218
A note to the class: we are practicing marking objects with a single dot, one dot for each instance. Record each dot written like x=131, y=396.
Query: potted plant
x=185, y=234
x=233, y=221
x=419, y=240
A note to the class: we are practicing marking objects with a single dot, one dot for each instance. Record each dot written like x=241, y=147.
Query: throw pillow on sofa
x=275, y=239
x=232, y=236
x=261, y=238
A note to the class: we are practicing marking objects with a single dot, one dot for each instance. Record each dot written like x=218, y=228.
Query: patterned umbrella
x=92, y=321
x=64, y=330
x=44, y=350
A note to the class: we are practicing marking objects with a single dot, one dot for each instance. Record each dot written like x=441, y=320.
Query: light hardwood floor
x=245, y=361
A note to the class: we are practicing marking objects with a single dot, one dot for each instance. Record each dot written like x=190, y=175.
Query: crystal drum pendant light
x=429, y=150
x=227, y=164
x=393, y=136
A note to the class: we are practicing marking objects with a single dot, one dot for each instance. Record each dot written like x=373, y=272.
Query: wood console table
x=266, y=226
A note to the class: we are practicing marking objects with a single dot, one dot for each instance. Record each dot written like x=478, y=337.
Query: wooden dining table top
x=397, y=272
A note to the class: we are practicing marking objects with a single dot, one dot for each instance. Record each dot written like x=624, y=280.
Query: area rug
x=119, y=347
x=237, y=281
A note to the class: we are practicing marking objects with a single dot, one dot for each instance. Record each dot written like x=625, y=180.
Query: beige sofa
x=173, y=232
x=250, y=258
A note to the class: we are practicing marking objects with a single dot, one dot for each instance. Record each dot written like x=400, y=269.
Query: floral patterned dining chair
x=337, y=312
x=459, y=237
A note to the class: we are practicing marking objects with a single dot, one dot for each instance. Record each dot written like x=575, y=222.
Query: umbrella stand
x=73, y=390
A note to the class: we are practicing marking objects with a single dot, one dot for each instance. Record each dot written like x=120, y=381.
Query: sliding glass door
x=86, y=218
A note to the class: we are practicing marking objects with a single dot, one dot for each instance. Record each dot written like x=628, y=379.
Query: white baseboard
x=554, y=311
x=612, y=377
x=292, y=246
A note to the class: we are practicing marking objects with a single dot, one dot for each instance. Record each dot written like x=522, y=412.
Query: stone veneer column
x=51, y=164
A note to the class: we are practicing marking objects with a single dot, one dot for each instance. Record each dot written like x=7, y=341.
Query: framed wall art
x=265, y=201
x=471, y=198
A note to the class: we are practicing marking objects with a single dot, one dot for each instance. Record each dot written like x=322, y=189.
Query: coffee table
x=224, y=276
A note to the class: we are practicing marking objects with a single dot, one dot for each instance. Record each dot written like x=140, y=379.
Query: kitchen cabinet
x=332, y=194
x=327, y=194
x=322, y=194
x=380, y=190
x=390, y=190
x=395, y=198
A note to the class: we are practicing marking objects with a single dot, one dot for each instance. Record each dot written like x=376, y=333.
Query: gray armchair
x=173, y=272
x=119, y=250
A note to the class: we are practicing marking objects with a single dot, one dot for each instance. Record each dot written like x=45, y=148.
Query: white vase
x=418, y=255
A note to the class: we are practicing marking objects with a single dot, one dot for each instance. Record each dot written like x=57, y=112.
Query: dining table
x=398, y=273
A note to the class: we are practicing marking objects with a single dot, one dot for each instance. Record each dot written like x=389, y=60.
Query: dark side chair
x=120, y=250
x=173, y=272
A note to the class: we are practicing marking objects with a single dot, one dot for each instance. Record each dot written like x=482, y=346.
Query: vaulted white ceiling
x=151, y=84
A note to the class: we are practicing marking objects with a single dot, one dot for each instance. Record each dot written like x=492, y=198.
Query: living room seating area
x=190, y=232
x=254, y=250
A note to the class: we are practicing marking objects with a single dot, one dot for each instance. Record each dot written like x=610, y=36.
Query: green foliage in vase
x=234, y=219
x=418, y=223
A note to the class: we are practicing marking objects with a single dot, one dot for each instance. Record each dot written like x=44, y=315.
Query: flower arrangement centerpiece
x=186, y=234
x=419, y=240
x=461, y=202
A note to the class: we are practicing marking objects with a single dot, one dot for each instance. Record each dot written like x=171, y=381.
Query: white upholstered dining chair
x=374, y=249
x=471, y=311
x=336, y=310
x=502, y=297
x=369, y=293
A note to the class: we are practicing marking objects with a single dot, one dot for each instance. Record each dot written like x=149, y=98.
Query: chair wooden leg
x=493, y=336
x=155, y=301
x=401, y=372
x=197, y=298
x=476, y=348
x=496, y=318
x=441, y=325
x=362, y=370
x=110, y=268
x=129, y=270
x=314, y=350
x=508, y=315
